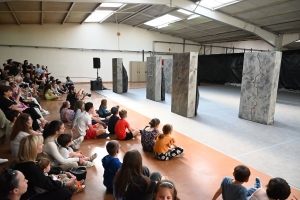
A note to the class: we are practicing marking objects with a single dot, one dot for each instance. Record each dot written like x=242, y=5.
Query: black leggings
x=35, y=116
x=57, y=194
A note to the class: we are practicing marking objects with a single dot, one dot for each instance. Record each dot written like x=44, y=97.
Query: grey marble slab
x=154, y=68
x=168, y=65
x=184, y=84
x=117, y=75
x=259, y=86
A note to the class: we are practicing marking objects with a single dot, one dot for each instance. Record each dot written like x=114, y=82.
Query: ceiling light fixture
x=184, y=12
x=162, y=26
x=111, y=5
x=97, y=16
x=216, y=4
x=165, y=19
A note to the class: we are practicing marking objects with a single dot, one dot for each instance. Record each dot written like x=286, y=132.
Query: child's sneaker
x=88, y=164
x=257, y=183
x=93, y=157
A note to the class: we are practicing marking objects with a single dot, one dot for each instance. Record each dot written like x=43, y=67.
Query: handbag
x=79, y=172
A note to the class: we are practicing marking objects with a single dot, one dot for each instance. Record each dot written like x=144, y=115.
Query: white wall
x=74, y=63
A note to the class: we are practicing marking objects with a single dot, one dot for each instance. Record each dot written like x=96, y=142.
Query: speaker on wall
x=97, y=63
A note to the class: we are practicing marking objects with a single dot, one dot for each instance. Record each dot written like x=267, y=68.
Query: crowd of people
x=44, y=153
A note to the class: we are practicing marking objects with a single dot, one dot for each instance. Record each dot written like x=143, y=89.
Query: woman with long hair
x=66, y=114
x=39, y=186
x=21, y=128
x=130, y=182
x=8, y=103
x=78, y=108
x=51, y=132
x=48, y=93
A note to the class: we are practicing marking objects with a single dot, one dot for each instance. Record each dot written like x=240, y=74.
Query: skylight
x=166, y=19
x=184, y=12
x=193, y=16
x=98, y=15
x=111, y=5
x=216, y=4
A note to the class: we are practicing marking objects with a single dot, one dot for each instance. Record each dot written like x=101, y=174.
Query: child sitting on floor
x=111, y=164
x=103, y=112
x=232, y=188
x=66, y=114
x=65, y=140
x=148, y=134
x=165, y=189
x=121, y=127
x=67, y=179
x=165, y=147
x=277, y=188
x=113, y=119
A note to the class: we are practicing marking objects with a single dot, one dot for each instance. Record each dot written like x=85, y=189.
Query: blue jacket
x=111, y=166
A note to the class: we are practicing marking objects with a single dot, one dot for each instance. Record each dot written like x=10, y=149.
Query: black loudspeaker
x=96, y=85
x=97, y=63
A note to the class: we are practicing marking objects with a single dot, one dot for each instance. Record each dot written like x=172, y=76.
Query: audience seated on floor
x=39, y=186
x=74, y=96
x=13, y=184
x=113, y=119
x=111, y=164
x=148, y=134
x=165, y=189
x=49, y=94
x=123, y=130
x=130, y=182
x=103, y=112
x=66, y=114
x=165, y=147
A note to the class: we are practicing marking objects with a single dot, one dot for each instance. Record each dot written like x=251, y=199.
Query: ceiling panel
x=86, y=7
x=29, y=18
x=7, y=18
x=245, y=5
x=51, y=18
x=284, y=18
x=4, y=7
x=25, y=6
x=132, y=7
x=76, y=17
x=56, y=6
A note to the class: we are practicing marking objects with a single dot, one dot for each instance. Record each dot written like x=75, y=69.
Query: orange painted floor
x=197, y=175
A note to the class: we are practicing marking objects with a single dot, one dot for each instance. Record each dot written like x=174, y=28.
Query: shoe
x=79, y=188
x=3, y=160
x=257, y=183
x=93, y=157
x=77, y=142
x=88, y=164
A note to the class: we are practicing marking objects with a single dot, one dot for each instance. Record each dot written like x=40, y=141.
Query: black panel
x=97, y=63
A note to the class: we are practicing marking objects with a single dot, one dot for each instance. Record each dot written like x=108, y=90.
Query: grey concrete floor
x=272, y=149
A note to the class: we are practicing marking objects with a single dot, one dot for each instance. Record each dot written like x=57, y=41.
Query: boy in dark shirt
x=111, y=164
x=113, y=119
x=232, y=188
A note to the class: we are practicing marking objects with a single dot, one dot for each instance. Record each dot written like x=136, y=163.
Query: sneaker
x=257, y=183
x=79, y=188
x=93, y=157
x=77, y=142
x=88, y=164
x=3, y=160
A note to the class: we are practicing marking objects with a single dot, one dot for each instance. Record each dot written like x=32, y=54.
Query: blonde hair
x=28, y=148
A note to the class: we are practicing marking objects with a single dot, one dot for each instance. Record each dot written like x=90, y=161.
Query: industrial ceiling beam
x=67, y=15
x=13, y=13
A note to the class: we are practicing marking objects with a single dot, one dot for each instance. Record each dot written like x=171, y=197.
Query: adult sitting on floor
x=50, y=151
x=39, y=185
x=13, y=185
x=21, y=128
x=74, y=96
x=8, y=103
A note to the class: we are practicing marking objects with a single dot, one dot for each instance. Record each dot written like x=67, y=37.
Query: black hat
x=114, y=110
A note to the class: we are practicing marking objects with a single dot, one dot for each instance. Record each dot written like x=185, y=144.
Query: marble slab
x=117, y=75
x=184, y=84
x=259, y=86
x=154, y=76
x=168, y=65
